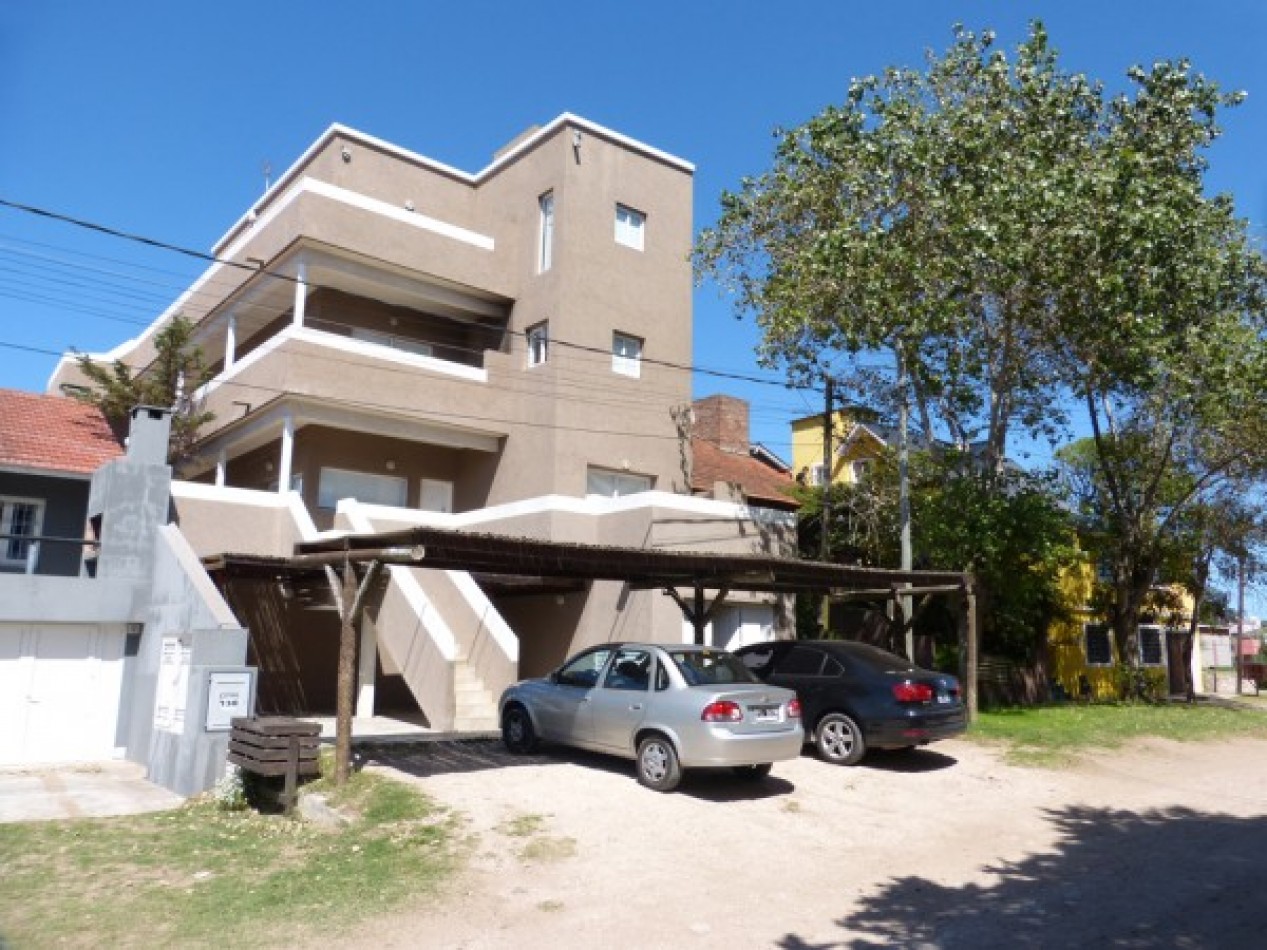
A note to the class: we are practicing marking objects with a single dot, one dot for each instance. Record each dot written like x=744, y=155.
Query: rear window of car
x=800, y=661
x=878, y=659
x=700, y=667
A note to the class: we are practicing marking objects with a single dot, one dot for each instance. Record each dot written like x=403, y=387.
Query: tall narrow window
x=630, y=225
x=626, y=354
x=545, y=255
x=19, y=518
x=538, y=344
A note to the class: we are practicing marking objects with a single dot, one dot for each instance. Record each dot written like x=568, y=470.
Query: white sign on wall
x=172, y=687
x=228, y=695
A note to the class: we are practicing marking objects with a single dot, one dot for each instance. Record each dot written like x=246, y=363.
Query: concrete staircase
x=474, y=707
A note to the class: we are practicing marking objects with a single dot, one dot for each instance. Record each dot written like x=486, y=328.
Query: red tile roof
x=759, y=482
x=53, y=433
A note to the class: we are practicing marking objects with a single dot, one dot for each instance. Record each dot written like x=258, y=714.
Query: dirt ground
x=1160, y=845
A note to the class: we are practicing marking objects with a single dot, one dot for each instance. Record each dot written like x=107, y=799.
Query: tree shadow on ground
x=1166, y=878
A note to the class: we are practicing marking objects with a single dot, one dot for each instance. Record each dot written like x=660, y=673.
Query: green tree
x=171, y=379
x=904, y=235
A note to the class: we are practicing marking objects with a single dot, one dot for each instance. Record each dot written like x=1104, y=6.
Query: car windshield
x=699, y=667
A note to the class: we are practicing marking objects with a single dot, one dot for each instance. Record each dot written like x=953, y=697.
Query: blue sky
x=157, y=118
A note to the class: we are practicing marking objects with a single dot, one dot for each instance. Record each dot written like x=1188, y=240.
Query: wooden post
x=968, y=660
x=347, y=678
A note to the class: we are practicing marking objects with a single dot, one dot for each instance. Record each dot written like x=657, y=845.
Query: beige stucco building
x=398, y=342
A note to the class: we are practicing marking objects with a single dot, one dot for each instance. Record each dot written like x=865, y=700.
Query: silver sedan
x=667, y=707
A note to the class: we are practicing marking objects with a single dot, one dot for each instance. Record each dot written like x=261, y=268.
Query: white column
x=222, y=464
x=288, y=453
x=230, y=342
x=301, y=294
x=365, y=675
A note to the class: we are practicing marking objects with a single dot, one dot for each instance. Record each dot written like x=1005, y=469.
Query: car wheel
x=517, y=733
x=839, y=740
x=658, y=765
x=752, y=772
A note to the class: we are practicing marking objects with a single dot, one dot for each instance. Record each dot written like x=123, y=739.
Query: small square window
x=538, y=344
x=630, y=225
x=626, y=355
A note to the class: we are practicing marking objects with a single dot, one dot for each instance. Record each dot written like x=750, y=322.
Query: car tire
x=658, y=765
x=752, y=772
x=839, y=740
x=518, y=735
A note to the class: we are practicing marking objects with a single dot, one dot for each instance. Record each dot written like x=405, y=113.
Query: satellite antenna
x=267, y=169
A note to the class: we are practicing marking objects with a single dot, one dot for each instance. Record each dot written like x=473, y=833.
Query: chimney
x=149, y=431
x=723, y=420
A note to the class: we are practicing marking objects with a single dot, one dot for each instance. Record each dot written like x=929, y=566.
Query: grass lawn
x=1053, y=735
x=202, y=876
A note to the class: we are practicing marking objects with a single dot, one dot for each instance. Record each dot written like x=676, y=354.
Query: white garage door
x=59, y=692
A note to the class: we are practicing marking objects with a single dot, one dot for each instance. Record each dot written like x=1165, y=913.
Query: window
x=859, y=469
x=1150, y=646
x=336, y=483
x=538, y=344
x=584, y=670
x=630, y=670
x=20, y=516
x=626, y=354
x=545, y=254
x=609, y=484
x=817, y=474
x=629, y=227
x=800, y=661
x=1098, y=644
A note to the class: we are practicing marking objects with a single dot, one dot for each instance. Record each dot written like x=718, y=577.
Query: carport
x=346, y=573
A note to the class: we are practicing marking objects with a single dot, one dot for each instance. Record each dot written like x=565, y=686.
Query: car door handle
x=636, y=706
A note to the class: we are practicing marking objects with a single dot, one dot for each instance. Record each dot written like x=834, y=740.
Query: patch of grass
x=548, y=849
x=1054, y=735
x=200, y=876
x=522, y=826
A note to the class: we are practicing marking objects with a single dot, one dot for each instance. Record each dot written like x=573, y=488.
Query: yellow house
x=855, y=445
x=1083, y=654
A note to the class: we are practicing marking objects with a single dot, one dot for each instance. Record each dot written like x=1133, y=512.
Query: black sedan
x=856, y=697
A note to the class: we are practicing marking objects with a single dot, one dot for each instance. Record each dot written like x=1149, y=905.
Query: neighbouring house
x=725, y=464
x=136, y=656
x=399, y=343
x=858, y=439
x=49, y=448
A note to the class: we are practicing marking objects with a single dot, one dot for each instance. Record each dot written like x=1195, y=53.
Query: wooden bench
x=277, y=747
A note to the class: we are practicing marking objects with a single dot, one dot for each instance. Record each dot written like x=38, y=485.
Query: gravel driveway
x=1162, y=845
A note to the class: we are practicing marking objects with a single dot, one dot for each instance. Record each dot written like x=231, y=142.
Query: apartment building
x=398, y=342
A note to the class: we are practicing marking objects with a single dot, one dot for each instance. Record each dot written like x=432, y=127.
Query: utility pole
x=904, y=497
x=1240, y=622
x=824, y=546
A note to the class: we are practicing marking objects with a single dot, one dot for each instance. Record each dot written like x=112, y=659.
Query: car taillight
x=723, y=710
x=794, y=709
x=913, y=692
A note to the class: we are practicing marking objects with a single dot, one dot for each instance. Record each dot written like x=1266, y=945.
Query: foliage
x=201, y=876
x=1054, y=735
x=1010, y=531
x=177, y=371
x=991, y=236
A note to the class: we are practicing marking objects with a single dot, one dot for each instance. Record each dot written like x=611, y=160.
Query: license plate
x=943, y=697
x=765, y=713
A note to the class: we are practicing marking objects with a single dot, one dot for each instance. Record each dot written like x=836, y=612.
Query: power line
x=213, y=259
